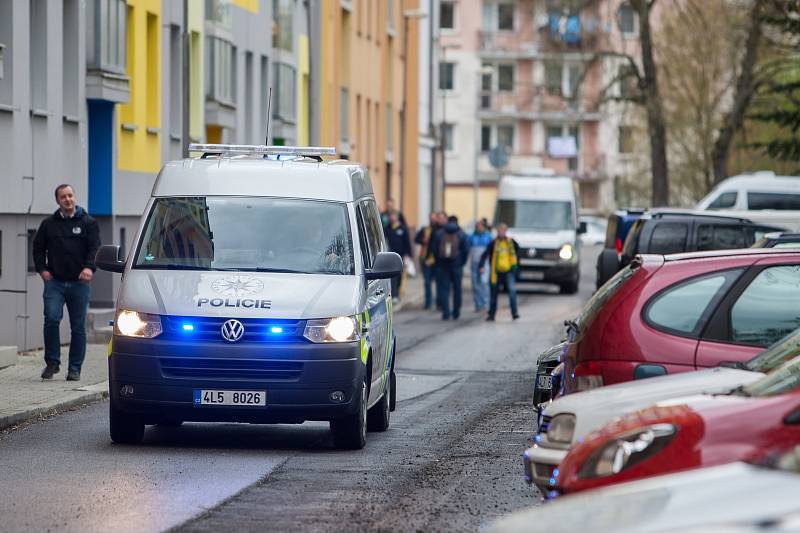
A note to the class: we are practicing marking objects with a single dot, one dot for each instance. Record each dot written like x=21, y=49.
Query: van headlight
x=567, y=252
x=627, y=450
x=133, y=324
x=338, y=329
x=561, y=429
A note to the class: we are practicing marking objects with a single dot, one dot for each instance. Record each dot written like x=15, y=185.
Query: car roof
x=763, y=180
x=738, y=252
x=668, y=212
x=246, y=175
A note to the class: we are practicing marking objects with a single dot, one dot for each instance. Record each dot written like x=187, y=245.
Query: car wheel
x=125, y=428
x=378, y=416
x=350, y=432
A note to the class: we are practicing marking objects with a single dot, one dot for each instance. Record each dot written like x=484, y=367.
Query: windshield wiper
x=186, y=267
x=278, y=270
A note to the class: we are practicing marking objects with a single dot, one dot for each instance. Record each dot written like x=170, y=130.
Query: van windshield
x=535, y=214
x=247, y=234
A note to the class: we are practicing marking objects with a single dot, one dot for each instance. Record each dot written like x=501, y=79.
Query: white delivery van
x=258, y=291
x=762, y=197
x=542, y=216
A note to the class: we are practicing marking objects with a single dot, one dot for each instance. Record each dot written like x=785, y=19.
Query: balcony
x=507, y=45
x=529, y=102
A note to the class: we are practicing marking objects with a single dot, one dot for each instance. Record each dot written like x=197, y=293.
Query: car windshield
x=535, y=214
x=784, y=379
x=784, y=350
x=247, y=234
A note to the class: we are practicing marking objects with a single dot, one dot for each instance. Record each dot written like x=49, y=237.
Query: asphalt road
x=450, y=461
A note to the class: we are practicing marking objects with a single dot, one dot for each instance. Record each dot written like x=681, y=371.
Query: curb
x=43, y=412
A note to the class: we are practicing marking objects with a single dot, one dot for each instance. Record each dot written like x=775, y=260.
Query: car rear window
x=768, y=308
x=720, y=237
x=684, y=308
x=773, y=200
x=668, y=238
x=602, y=295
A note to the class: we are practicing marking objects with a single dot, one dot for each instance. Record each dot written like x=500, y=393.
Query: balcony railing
x=531, y=102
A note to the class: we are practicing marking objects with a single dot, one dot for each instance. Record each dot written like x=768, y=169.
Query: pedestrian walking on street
x=390, y=208
x=427, y=259
x=478, y=242
x=451, y=249
x=399, y=242
x=502, y=254
x=63, y=253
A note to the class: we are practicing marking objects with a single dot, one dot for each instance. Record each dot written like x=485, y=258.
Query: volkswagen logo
x=531, y=252
x=232, y=330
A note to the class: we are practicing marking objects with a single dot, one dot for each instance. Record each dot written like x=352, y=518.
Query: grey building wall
x=42, y=143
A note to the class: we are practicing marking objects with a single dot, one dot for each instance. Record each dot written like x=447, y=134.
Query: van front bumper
x=157, y=379
x=547, y=271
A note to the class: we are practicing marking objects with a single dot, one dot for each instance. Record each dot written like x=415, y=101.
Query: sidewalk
x=25, y=396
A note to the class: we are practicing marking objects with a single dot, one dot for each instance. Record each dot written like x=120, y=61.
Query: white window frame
x=439, y=84
x=635, y=31
x=454, y=28
x=494, y=136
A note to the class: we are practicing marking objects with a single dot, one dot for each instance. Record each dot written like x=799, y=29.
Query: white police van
x=258, y=291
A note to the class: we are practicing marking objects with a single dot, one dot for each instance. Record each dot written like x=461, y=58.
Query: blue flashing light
x=538, y=439
x=555, y=473
x=552, y=481
x=188, y=327
x=276, y=330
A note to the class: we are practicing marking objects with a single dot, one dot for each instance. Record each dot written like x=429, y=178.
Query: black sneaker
x=489, y=318
x=50, y=370
x=515, y=317
x=73, y=375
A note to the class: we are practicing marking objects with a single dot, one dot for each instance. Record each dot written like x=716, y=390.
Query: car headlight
x=337, y=329
x=561, y=429
x=133, y=324
x=627, y=450
x=566, y=252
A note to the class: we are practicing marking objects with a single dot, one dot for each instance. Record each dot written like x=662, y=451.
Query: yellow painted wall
x=140, y=150
x=303, y=133
x=249, y=5
x=459, y=201
x=197, y=65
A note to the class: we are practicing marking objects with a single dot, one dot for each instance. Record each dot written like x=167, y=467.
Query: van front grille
x=255, y=329
x=238, y=369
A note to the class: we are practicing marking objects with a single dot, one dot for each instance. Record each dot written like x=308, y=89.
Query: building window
x=111, y=46
x=344, y=115
x=562, y=79
x=2, y=51
x=505, y=77
x=284, y=99
x=447, y=76
x=625, y=140
x=486, y=138
x=505, y=16
x=38, y=43
x=219, y=12
x=563, y=143
x=283, y=34
x=250, y=111
x=626, y=77
x=220, y=70
x=505, y=136
x=175, y=92
x=389, y=127
x=69, y=80
x=390, y=15
x=627, y=20
x=264, y=96
x=447, y=15
x=122, y=243
x=553, y=77
x=447, y=137
x=31, y=263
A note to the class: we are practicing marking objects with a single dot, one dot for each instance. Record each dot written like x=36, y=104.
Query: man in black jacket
x=450, y=247
x=63, y=253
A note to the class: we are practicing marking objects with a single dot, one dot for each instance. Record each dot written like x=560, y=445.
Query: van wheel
x=350, y=432
x=378, y=416
x=393, y=403
x=124, y=428
x=571, y=287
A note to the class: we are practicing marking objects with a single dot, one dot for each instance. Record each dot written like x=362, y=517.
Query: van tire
x=570, y=287
x=378, y=417
x=393, y=403
x=350, y=432
x=123, y=427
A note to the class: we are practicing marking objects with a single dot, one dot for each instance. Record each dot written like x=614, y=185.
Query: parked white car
x=570, y=418
x=731, y=497
x=762, y=197
x=595, y=230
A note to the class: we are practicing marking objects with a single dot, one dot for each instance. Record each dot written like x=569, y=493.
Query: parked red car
x=675, y=313
x=694, y=432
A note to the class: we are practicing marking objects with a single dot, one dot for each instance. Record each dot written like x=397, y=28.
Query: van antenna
x=269, y=114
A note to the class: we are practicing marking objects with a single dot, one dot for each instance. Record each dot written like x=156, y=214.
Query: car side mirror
x=582, y=228
x=387, y=265
x=107, y=258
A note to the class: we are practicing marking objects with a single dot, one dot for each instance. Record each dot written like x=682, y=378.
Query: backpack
x=449, y=246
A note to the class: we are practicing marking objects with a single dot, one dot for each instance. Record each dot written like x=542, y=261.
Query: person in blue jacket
x=478, y=241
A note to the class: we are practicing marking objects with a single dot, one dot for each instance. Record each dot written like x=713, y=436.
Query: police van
x=258, y=291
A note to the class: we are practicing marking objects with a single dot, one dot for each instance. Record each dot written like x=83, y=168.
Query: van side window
x=773, y=200
x=366, y=257
x=720, y=237
x=725, y=200
x=373, y=227
x=668, y=238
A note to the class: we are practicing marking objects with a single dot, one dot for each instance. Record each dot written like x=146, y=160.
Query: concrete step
x=98, y=330
x=8, y=356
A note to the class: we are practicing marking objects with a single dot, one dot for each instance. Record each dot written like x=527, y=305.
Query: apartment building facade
x=528, y=78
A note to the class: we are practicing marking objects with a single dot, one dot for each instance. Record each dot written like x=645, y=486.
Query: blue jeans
x=448, y=276
x=429, y=276
x=480, y=288
x=510, y=281
x=76, y=295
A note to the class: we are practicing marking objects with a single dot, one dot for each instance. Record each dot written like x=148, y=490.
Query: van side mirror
x=107, y=258
x=387, y=265
x=582, y=228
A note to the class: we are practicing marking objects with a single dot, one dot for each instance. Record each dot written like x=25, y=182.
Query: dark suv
x=662, y=231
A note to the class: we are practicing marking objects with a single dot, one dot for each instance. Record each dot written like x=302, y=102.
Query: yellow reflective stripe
x=109, y=348
x=364, y=347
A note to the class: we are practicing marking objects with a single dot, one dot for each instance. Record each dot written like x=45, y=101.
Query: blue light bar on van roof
x=254, y=149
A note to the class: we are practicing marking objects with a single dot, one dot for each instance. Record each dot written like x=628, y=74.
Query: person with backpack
x=503, y=257
x=450, y=247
